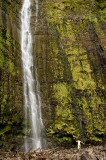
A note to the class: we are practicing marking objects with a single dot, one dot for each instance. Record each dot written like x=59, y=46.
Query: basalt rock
x=69, y=48
x=56, y=154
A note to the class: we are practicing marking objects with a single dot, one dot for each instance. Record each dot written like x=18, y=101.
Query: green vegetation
x=101, y=5
x=79, y=94
x=10, y=78
x=71, y=62
x=9, y=118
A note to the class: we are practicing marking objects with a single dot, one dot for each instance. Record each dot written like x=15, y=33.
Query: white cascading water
x=31, y=85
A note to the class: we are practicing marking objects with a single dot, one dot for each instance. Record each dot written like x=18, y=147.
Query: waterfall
x=32, y=101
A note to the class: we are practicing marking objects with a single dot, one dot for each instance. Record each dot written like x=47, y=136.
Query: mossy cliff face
x=11, y=97
x=71, y=62
x=69, y=47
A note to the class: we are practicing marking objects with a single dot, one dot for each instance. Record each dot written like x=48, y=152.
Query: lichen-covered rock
x=74, y=74
x=69, y=47
x=11, y=97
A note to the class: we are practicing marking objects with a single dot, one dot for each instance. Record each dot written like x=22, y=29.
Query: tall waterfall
x=32, y=100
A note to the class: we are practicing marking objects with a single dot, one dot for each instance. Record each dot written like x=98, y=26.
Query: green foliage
x=77, y=112
x=103, y=15
x=10, y=66
x=65, y=126
x=101, y=4
x=76, y=77
x=61, y=93
x=4, y=130
x=6, y=57
x=10, y=89
x=1, y=59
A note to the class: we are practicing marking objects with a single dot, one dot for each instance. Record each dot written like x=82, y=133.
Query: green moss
x=1, y=59
x=10, y=67
x=10, y=73
x=65, y=124
x=75, y=38
x=61, y=93
x=4, y=130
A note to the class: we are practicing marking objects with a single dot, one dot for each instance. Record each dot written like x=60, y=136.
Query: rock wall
x=70, y=48
x=11, y=96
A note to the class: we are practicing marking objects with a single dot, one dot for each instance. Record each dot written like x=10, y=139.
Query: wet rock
x=55, y=154
x=76, y=157
x=68, y=157
x=87, y=156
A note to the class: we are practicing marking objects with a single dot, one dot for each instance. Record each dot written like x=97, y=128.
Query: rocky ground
x=89, y=153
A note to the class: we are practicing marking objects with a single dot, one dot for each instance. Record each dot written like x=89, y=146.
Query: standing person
x=79, y=144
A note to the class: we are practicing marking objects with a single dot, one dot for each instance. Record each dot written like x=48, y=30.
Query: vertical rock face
x=11, y=97
x=69, y=48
